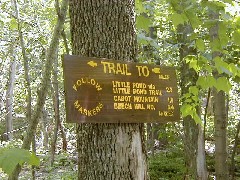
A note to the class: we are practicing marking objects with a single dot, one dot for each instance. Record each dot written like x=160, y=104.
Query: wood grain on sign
x=108, y=91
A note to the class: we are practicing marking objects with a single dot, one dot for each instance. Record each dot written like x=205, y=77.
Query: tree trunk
x=194, y=143
x=189, y=125
x=25, y=64
x=201, y=156
x=9, y=99
x=42, y=93
x=236, y=142
x=105, y=29
x=220, y=114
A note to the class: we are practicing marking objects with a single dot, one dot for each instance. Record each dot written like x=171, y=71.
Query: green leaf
x=186, y=109
x=178, y=19
x=228, y=1
x=223, y=84
x=202, y=82
x=222, y=34
x=200, y=44
x=13, y=24
x=216, y=45
x=143, y=22
x=193, y=62
x=236, y=37
x=211, y=81
x=139, y=6
x=220, y=65
x=233, y=69
x=196, y=118
x=9, y=158
x=194, y=20
x=194, y=90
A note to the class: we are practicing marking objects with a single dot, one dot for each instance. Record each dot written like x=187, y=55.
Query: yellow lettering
x=120, y=69
x=161, y=76
x=150, y=107
x=122, y=98
x=76, y=104
x=143, y=70
x=170, y=100
x=149, y=99
x=122, y=105
x=169, y=89
x=86, y=80
x=156, y=92
x=93, y=82
x=139, y=85
x=115, y=68
x=127, y=73
x=139, y=106
x=170, y=107
x=139, y=91
x=88, y=112
x=74, y=87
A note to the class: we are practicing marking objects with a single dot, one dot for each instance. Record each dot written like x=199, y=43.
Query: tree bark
x=9, y=99
x=105, y=29
x=236, y=142
x=220, y=114
x=194, y=143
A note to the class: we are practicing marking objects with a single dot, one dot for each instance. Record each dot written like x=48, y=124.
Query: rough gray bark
x=9, y=98
x=107, y=151
x=44, y=84
x=220, y=115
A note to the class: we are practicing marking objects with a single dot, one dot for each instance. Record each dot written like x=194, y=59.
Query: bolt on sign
x=109, y=91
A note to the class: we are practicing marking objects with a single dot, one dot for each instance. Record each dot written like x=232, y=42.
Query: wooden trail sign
x=109, y=91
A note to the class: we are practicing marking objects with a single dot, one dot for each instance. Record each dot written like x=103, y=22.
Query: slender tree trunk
x=9, y=99
x=56, y=108
x=194, y=143
x=236, y=143
x=43, y=123
x=220, y=114
x=189, y=125
x=201, y=156
x=107, y=151
x=25, y=63
x=42, y=93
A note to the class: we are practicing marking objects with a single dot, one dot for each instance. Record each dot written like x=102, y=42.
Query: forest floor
x=64, y=168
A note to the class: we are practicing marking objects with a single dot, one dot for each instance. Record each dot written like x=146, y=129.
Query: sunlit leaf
x=221, y=66
x=194, y=90
x=211, y=81
x=202, y=82
x=13, y=24
x=9, y=158
x=178, y=19
x=143, y=22
x=223, y=84
x=186, y=109
x=236, y=37
x=200, y=44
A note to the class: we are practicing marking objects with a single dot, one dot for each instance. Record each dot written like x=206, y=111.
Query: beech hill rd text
x=108, y=91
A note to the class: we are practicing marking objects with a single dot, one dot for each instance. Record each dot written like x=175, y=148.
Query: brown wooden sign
x=109, y=91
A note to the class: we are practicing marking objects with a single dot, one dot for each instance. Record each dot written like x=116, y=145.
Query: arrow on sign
x=92, y=63
x=156, y=70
